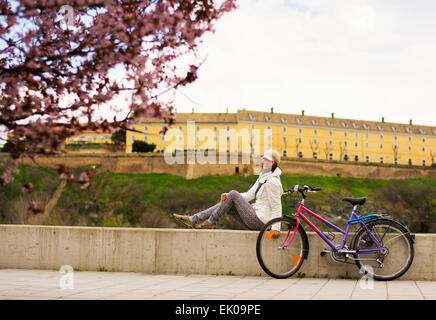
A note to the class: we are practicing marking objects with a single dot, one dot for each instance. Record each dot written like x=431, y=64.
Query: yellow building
x=294, y=136
x=90, y=136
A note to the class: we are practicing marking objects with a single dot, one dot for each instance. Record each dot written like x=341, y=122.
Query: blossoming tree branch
x=56, y=60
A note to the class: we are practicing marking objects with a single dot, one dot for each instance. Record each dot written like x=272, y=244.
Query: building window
x=346, y=157
x=367, y=136
x=146, y=128
x=315, y=141
x=410, y=162
x=423, y=140
x=395, y=147
x=396, y=138
x=410, y=148
x=315, y=131
x=423, y=149
x=163, y=138
x=366, y=145
x=356, y=158
x=315, y=155
x=284, y=139
x=381, y=137
x=269, y=127
x=382, y=160
x=356, y=135
x=300, y=154
x=284, y=129
x=228, y=138
x=345, y=134
x=381, y=145
x=133, y=138
x=367, y=158
x=146, y=138
x=214, y=138
x=285, y=153
x=345, y=143
x=300, y=130
x=228, y=128
x=330, y=142
x=253, y=127
x=300, y=140
x=396, y=161
x=215, y=128
x=330, y=156
x=356, y=144
x=423, y=163
x=410, y=139
x=181, y=138
x=330, y=132
x=180, y=128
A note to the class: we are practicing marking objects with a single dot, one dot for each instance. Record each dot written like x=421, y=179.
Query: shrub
x=142, y=146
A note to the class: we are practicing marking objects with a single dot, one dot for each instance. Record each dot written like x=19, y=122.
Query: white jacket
x=268, y=204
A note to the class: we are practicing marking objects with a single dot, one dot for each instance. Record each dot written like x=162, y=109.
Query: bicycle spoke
x=400, y=235
x=381, y=240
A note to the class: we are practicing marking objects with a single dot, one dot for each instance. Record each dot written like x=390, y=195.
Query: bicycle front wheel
x=391, y=263
x=282, y=256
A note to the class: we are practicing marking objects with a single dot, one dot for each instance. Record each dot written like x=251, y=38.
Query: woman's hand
x=223, y=197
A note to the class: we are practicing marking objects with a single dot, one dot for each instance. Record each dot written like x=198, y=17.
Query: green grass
x=147, y=200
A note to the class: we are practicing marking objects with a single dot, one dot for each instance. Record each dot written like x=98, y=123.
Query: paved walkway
x=45, y=284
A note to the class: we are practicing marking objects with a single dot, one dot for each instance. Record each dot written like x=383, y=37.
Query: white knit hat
x=272, y=155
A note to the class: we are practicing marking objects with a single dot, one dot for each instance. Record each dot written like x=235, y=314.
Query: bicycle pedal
x=324, y=252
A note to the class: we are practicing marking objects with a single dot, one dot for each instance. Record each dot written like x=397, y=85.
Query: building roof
x=198, y=117
x=337, y=123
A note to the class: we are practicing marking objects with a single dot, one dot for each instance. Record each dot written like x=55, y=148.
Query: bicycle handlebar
x=297, y=188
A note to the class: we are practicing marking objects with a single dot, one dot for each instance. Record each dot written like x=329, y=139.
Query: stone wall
x=173, y=251
x=155, y=163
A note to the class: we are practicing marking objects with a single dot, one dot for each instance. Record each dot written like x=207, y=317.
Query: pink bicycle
x=381, y=247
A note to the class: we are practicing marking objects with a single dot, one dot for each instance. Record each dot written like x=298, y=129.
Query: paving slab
x=19, y=284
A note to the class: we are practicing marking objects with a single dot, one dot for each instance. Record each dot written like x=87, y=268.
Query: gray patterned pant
x=236, y=206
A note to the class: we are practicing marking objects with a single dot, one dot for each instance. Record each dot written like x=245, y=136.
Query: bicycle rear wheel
x=280, y=257
x=388, y=265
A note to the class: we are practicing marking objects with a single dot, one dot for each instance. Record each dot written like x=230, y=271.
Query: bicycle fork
x=283, y=245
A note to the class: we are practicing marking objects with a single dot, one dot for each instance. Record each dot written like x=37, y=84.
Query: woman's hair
x=274, y=166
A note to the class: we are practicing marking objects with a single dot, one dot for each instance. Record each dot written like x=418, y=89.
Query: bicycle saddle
x=355, y=201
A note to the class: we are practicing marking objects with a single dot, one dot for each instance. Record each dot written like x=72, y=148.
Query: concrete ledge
x=172, y=251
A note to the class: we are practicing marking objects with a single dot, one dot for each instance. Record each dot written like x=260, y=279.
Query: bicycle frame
x=345, y=233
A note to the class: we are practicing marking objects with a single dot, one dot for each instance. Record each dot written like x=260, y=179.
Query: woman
x=267, y=192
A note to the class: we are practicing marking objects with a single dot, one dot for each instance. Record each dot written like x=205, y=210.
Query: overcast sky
x=359, y=59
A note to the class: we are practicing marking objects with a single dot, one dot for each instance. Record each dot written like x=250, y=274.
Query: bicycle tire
x=271, y=260
x=362, y=240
